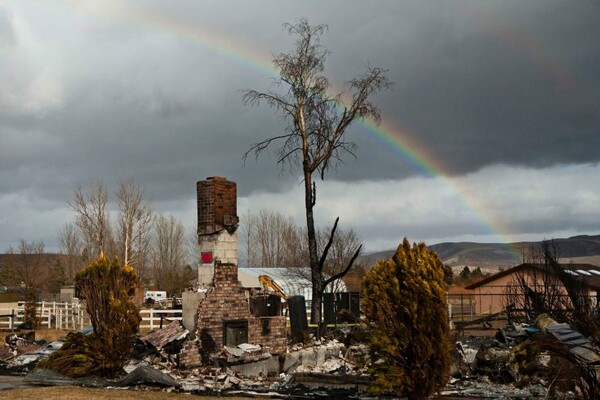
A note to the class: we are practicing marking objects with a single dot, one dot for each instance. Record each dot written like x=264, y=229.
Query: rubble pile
x=249, y=368
x=215, y=380
x=483, y=387
x=330, y=357
x=242, y=354
x=16, y=345
x=510, y=365
x=20, y=354
x=176, y=354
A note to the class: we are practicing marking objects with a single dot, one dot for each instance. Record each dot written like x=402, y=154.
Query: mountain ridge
x=504, y=255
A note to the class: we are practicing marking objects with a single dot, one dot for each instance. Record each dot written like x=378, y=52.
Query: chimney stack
x=217, y=225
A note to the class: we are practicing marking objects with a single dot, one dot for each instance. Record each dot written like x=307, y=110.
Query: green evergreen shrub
x=404, y=302
x=106, y=287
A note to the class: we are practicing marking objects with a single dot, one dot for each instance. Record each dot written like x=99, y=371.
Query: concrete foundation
x=190, y=301
x=310, y=358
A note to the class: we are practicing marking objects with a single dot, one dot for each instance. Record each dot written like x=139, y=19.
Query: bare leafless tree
x=194, y=249
x=546, y=286
x=71, y=251
x=317, y=122
x=129, y=238
x=342, y=251
x=543, y=285
x=269, y=237
x=246, y=238
x=536, y=289
x=169, y=255
x=135, y=223
x=92, y=219
x=25, y=265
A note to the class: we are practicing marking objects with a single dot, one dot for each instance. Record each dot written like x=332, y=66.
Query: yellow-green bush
x=404, y=301
x=106, y=287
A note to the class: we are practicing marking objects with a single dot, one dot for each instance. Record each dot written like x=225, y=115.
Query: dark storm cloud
x=89, y=94
x=476, y=84
x=509, y=83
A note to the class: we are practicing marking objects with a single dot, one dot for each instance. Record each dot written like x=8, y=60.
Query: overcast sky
x=490, y=133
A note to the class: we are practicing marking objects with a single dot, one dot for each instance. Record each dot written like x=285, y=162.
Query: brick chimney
x=217, y=224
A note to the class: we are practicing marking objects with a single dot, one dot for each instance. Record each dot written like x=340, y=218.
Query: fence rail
x=73, y=316
x=152, y=319
x=52, y=315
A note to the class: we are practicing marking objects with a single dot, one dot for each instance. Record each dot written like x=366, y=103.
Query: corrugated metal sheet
x=291, y=284
x=572, y=339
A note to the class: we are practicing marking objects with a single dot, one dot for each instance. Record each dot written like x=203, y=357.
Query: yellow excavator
x=269, y=283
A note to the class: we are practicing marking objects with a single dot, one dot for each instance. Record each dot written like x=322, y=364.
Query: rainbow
x=398, y=141
x=389, y=134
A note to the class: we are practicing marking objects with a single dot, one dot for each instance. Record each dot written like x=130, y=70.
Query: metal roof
x=292, y=284
x=588, y=273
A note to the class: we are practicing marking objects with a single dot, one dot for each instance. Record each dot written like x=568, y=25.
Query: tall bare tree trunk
x=91, y=218
x=71, y=249
x=315, y=268
x=135, y=223
x=317, y=122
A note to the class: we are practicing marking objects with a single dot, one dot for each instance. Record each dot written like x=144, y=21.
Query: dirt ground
x=72, y=392
x=49, y=335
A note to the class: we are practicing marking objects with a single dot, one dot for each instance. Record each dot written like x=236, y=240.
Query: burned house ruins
x=230, y=314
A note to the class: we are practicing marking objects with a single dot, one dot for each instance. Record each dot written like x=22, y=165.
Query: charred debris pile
x=167, y=359
x=512, y=364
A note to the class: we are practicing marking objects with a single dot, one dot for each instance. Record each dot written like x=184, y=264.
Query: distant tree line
x=469, y=275
x=271, y=239
x=156, y=246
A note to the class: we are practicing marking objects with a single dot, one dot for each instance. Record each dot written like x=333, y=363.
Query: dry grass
x=73, y=392
x=50, y=335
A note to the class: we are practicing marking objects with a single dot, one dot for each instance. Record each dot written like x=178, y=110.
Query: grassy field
x=72, y=392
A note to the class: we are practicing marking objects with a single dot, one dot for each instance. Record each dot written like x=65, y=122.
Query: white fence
x=151, y=319
x=70, y=316
x=73, y=316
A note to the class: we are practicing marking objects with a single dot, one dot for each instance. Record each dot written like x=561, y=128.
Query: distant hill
x=582, y=248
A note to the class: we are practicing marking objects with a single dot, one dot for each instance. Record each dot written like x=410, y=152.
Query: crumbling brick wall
x=217, y=204
x=227, y=300
x=217, y=223
x=189, y=356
